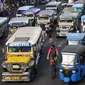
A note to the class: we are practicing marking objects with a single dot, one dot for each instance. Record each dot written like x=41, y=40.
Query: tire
x=33, y=72
x=53, y=72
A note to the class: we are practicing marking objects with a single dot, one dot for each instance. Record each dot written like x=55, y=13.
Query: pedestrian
x=43, y=35
x=47, y=30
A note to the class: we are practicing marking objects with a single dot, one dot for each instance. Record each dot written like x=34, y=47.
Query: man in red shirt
x=52, y=56
x=52, y=48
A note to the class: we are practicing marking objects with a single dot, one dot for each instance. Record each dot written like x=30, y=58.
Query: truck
x=22, y=54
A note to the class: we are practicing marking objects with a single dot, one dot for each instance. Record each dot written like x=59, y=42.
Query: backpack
x=53, y=54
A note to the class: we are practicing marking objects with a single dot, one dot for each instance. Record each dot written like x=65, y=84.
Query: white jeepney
x=22, y=54
x=66, y=23
x=44, y=16
x=17, y=22
x=56, y=6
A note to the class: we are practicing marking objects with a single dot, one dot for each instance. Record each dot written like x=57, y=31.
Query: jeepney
x=79, y=8
x=17, y=22
x=56, y=6
x=22, y=54
x=66, y=23
x=44, y=16
x=75, y=38
x=72, y=65
x=32, y=14
x=22, y=9
x=83, y=23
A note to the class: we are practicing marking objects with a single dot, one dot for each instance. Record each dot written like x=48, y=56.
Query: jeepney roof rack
x=21, y=39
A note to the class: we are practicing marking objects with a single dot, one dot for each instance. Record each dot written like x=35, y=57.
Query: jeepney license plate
x=15, y=78
x=63, y=34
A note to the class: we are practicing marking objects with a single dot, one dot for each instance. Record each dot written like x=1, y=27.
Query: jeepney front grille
x=16, y=67
x=67, y=73
x=64, y=29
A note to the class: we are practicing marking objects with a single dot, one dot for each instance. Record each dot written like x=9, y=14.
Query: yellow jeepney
x=22, y=54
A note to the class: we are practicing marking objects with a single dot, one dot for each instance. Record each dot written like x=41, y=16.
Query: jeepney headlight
x=60, y=70
x=73, y=71
x=31, y=63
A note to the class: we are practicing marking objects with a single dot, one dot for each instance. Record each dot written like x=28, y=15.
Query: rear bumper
x=6, y=76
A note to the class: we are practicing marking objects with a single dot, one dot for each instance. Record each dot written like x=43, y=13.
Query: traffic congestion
x=42, y=42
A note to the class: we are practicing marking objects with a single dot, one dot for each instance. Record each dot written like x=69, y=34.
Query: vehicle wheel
x=53, y=72
x=33, y=72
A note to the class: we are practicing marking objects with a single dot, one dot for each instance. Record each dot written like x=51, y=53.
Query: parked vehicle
x=22, y=54
x=72, y=67
x=75, y=38
x=3, y=27
x=18, y=22
x=44, y=16
x=22, y=9
x=68, y=22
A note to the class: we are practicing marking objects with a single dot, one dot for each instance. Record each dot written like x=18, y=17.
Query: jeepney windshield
x=69, y=59
x=20, y=11
x=75, y=42
x=29, y=15
x=65, y=21
x=43, y=18
x=18, y=24
x=19, y=49
x=50, y=6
